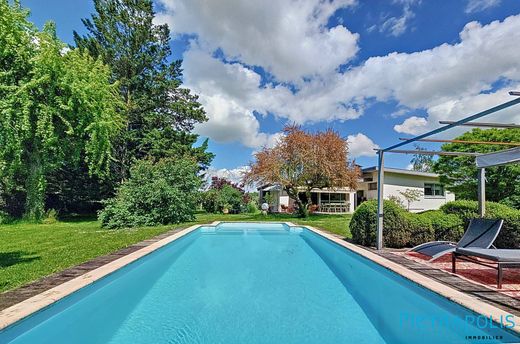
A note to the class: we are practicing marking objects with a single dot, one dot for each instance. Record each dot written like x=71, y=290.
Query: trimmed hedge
x=447, y=227
x=401, y=228
x=404, y=229
x=509, y=236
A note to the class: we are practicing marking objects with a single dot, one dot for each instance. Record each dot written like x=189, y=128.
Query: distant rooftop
x=401, y=171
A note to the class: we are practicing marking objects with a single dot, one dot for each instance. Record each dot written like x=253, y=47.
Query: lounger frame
x=490, y=264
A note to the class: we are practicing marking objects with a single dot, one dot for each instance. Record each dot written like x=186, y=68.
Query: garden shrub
x=400, y=227
x=4, y=218
x=447, y=227
x=251, y=207
x=51, y=217
x=509, y=236
x=420, y=228
x=155, y=194
x=215, y=200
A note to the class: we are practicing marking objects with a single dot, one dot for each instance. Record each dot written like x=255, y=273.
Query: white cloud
x=396, y=26
x=480, y=5
x=429, y=77
x=361, y=145
x=233, y=175
x=288, y=38
x=458, y=108
x=413, y=125
x=231, y=93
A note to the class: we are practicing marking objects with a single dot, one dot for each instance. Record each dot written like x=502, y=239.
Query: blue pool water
x=254, y=283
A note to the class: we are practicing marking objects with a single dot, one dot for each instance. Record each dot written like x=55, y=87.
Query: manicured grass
x=31, y=251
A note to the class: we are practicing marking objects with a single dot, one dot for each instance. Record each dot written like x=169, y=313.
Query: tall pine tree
x=160, y=113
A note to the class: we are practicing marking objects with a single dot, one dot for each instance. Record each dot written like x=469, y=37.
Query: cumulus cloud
x=480, y=5
x=413, y=125
x=234, y=175
x=288, y=38
x=291, y=40
x=429, y=77
x=232, y=94
x=458, y=108
x=361, y=145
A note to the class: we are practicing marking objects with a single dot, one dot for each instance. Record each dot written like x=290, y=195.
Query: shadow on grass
x=16, y=257
x=78, y=218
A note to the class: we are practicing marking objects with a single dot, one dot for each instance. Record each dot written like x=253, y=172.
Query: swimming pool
x=254, y=283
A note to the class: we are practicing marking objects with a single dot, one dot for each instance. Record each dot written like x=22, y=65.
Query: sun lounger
x=494, y=258
x=481, y=233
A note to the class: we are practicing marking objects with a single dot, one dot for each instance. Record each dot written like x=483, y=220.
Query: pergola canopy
x=504, y=157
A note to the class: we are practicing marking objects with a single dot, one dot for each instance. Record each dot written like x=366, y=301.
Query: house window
x=333, y=197
x=372, y=186
x=431, y=189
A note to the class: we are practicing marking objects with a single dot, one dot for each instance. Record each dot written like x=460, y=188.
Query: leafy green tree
x=223, y=194
x=56, y=105
x=422, y=162
x=459, y=173
x=411, y=195
x=160, y=113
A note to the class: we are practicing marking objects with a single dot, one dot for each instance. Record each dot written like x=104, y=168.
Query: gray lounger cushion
x=497, y=255
x=480, y=233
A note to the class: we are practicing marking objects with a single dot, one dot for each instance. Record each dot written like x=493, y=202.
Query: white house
x=345, y=200
x=399, y=180
x=338, y=200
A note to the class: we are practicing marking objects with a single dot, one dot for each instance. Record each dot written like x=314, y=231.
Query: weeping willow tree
x=57, y=106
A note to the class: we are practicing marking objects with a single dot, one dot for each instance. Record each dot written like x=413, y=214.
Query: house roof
x=401, y=171
x=269, y=187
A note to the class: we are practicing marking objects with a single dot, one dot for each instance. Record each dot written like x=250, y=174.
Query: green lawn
x=31, y=251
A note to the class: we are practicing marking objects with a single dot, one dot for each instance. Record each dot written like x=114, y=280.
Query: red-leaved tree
x=301, y=161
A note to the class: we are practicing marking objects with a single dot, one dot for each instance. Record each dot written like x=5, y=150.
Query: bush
x=51, y=217
x=447, y=227
x=4, y=218
x=400, y=227
x=215, y=200
x=155, y=194
x=420, y=228
x=509, y=236
x=251, y=207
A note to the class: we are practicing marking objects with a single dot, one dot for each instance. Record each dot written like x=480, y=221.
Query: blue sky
x=372, y=70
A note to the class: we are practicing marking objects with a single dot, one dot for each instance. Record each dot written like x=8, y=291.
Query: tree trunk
x=35, y=189
x=303, y=208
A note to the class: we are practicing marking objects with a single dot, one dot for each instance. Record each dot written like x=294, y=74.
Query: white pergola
x=483, y=161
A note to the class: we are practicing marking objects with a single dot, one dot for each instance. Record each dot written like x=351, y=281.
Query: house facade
x=330, y=201
x=433, y=193
x=345, y=200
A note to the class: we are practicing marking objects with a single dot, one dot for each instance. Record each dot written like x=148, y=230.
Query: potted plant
x=225, y=208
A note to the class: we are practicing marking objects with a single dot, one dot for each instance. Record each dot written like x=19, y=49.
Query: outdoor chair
x=481, y=233
x=495, y=258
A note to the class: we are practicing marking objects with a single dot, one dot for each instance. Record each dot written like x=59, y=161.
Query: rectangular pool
x=254, y=283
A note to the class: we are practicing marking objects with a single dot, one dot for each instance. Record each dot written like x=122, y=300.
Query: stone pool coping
x=79, y=280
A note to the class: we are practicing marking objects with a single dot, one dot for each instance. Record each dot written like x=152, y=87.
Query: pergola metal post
x=481, y=192
x=380, y=189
